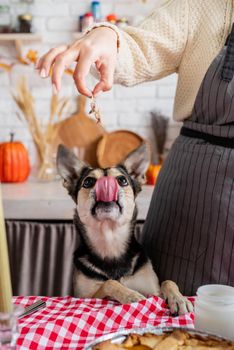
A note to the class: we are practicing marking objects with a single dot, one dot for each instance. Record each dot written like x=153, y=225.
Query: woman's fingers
x=62, y=62
x=83, y=66
x=45, y=63
x=106, y=70
x=98, y=47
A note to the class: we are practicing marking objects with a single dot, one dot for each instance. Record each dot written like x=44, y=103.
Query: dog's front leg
x=177, y=303
x=115, y=290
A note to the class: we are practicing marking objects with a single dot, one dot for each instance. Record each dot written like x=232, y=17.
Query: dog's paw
x=179, y=305
x=133, y=297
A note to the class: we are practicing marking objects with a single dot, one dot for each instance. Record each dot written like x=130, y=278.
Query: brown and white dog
x=109, y=261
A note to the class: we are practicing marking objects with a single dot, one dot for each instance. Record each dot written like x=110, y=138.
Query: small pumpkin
x=152, y=173
x=14, y=161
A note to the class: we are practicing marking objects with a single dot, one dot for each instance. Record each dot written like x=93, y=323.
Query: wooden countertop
x=50, y=201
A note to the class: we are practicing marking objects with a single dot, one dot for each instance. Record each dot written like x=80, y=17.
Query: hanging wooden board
x=115, y=146
x=81, y=133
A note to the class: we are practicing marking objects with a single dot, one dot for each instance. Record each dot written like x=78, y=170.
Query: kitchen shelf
x=19, y=39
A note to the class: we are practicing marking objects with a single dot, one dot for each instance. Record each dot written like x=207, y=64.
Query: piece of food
x=131, y=340
x=175, y=340
x=107, y=345
x=95, y=110
x=147, y=339
x=169, y=343
x=139, y=347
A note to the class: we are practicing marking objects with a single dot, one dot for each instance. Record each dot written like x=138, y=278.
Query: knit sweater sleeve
x=153, y=49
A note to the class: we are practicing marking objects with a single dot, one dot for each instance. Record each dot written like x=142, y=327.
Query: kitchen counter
x=50, y=201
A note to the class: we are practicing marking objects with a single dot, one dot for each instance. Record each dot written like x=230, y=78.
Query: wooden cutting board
x=81, y=133
x=115, y=146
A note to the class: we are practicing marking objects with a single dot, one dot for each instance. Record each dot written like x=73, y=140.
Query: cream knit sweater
x=181, y=36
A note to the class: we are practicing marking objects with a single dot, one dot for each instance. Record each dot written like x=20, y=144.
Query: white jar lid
x=217, y=293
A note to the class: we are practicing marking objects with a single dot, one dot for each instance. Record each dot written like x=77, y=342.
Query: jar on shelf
x=87, y=21
x=80, y=23
x=5, y=19
x=111, y=18
x=25, y=23
x=214, y=310
x=122, y=22
x=96, y=11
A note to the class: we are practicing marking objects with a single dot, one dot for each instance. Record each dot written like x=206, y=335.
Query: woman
x=189, y=231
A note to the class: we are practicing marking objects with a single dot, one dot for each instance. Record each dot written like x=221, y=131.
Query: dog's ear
x=137, y=162
x=69, y=167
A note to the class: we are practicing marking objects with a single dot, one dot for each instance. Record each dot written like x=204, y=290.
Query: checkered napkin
x=70, y=323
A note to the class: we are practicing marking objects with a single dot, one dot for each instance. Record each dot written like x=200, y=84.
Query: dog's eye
x=122, y=181
x=89, y=182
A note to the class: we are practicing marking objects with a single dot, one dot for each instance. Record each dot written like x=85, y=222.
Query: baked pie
x=175, y=340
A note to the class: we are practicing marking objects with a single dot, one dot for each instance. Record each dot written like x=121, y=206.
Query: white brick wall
x=121, y=108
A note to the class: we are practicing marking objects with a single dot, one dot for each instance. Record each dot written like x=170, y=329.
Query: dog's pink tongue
x=106, y=189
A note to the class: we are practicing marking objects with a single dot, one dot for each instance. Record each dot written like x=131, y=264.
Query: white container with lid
x=214, y=310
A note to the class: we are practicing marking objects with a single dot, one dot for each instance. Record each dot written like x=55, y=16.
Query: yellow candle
x=5, y=279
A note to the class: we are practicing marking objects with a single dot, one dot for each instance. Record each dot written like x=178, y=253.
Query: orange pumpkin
x=14, y=162
x=152, y=173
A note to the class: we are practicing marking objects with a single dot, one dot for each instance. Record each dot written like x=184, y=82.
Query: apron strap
x=212, y=139
x=228, y=66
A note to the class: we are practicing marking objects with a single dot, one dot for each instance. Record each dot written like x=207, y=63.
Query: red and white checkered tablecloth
x=70, y=323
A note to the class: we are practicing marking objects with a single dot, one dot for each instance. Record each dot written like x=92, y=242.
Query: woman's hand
x=98, y=47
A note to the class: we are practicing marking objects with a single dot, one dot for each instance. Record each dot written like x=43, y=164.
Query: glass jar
x=25, y=23
x=96, y=10
x=122, y=22
x=214, y=310
x=87, y=21
x=9, y=330
x=22, y=18
x=5, y=19
x=47, y=170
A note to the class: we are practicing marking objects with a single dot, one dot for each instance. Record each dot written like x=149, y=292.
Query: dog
x=109, y=261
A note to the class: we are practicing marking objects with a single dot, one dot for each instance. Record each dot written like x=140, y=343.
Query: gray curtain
x=41, y=257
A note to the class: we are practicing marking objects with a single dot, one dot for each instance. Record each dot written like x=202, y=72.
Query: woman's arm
x=148, y=52
x=153, y=49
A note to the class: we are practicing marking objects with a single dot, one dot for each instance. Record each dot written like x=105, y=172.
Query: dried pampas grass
x=42, y=136
x=160, y=128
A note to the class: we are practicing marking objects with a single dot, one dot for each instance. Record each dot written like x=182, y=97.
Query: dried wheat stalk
x=42, y=136
x=26, y=104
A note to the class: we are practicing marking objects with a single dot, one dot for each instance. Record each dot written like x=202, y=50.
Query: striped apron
x=189, y=230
